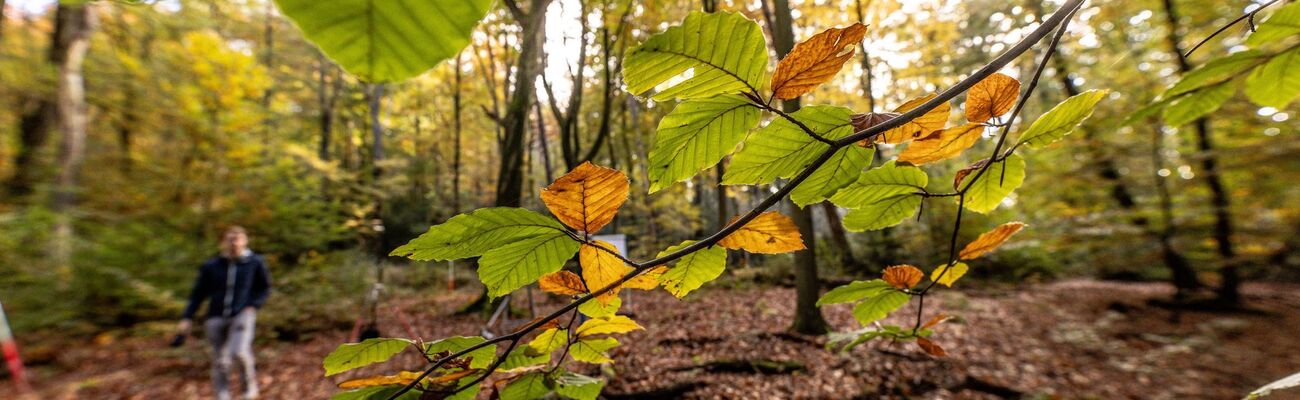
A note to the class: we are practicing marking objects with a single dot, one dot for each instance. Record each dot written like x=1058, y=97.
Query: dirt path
x=1073, y=339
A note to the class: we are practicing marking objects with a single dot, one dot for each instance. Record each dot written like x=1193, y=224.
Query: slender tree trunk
x=74, y=27
x=1229, y=290
x=808, y=318
x=510, y=177
x=456, y=129
x=840, y=237
x=866, y=61
x=1182, y=275
x=376, y=101
x=541, y=141
x=268, y=57
x=325, y=101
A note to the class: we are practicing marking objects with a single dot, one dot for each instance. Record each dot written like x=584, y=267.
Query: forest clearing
x=619, y=199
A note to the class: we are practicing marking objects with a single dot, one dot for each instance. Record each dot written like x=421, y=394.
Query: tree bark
x=74, y=27
x=510, y=178
x=456, y=130
x=808, y=318
x=1182, y=275
x=1229, y=289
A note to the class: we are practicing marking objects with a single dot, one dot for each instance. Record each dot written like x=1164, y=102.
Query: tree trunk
x=73, y=29
x=840, y=237
x=268, y=57
x=326, y=103
x=1182, y=275
x=510, y=177
x=456, y=129
x=1229, y=289
x=808, y=318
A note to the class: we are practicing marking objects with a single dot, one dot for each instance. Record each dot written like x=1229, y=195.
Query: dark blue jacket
x=230, y=285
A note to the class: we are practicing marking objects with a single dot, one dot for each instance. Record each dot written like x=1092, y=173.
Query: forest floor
x=1068, y=339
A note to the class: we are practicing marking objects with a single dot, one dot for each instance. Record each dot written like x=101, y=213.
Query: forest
x=657, y=199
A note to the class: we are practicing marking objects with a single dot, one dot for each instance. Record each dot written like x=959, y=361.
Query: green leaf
x=355, y=355
x=579, y=387
x=526, y=387
x=472, y=234
x=1283, y=23
x=1002, y=178
x=386, y=41
x=596, y=309
x=524, y=261
x=782, y=149
x=524, y=357
x=481, y=357
x=726, y=53
x=692, y=270
x=469, y=393
x=842, y=169
x=881, y=197
x=1196, y=104
x=376, y=393
x=1061, y=120
x=696, y=135
x=885, y=181
x=1216, y=71
x=549, y=340
x=592, y=351
x=879, y=306
x=1277, y=82
x=854, y=291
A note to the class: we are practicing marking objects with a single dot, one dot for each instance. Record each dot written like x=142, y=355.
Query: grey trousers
x=232, y=340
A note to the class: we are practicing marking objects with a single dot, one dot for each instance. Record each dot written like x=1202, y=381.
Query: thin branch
x=1249, y=16
x=993, y=157
x=1047, y=27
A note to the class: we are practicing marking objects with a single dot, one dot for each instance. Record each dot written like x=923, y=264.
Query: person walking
x=236, y=283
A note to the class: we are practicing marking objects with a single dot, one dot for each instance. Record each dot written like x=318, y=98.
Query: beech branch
x=1048, y=26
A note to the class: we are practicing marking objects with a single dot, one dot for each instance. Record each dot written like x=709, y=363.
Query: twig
x=1047, y=27
x=1249, y=16
x=993, y=157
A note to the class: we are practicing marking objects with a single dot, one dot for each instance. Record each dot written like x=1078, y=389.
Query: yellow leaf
x=601, y=268
x=586, y=198
x=815, y=61
x=903, y=276
x=605, y=325
x=991, y=97
x=647, y=280
x=563, y=283
x=946, y=276
x=769, y=233
x=926, y=124
x=990, y=240
x=941, y=145
x=930, y=348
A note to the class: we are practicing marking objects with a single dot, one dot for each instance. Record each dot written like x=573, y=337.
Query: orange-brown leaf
x=941, y=145
x=927, y=123
x=991, y=97
x=586, y=198
x=815, y=61
x=769, y=233
x=962, y=173
x=930, y=348
x=601, y=268
x=563, y=283
x=647, y=280
x=402, y=378
x=903, y=276
x=936, y=320
x=988, y=241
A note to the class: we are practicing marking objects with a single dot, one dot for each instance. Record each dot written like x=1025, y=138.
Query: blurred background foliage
x=209, y=114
